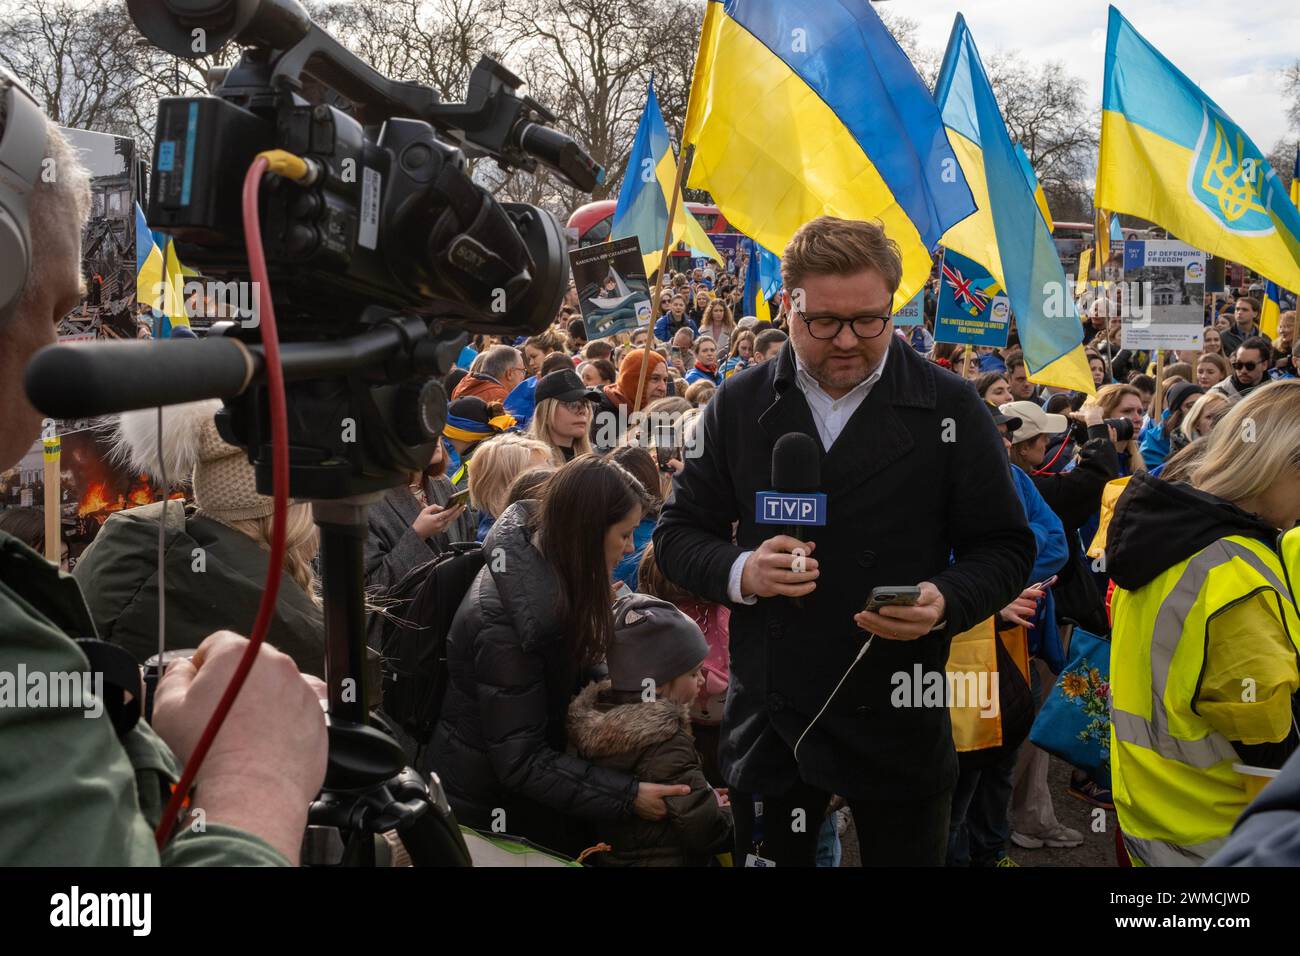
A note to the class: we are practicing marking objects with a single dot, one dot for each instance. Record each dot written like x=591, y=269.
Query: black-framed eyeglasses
x=826, y=327
x=580, y=406
x=1245, y=366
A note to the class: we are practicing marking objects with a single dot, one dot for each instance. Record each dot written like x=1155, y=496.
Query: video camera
x=391, y=216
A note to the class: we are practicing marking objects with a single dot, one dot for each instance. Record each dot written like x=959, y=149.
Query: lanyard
x=758, y=824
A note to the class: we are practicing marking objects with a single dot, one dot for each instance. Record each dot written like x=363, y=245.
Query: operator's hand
x=767, y=571
x=435, y=519
x=1022, y=610
x=268, y=760
x=906, y=623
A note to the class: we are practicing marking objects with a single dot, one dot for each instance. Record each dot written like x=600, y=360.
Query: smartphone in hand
x=905, y=596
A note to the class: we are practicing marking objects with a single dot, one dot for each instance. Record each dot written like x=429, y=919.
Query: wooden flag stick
x=1159, y=410
x=53, y=500
x=659, y=285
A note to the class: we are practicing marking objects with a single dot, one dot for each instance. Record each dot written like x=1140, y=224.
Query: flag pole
x=53, y=499
x=1158, y=412
x=659, y=285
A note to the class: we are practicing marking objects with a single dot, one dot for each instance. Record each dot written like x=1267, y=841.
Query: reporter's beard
x=841, y=371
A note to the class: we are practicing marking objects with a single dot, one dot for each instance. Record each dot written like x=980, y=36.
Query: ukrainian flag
x=1295, y=179
x=1008, y=236
x=643, y=200
x=1270, y=311
x=174, y=314
x=804, y=109
x=1035, y=186
x=148, y=266
x=762, y=279
x=1169, y=154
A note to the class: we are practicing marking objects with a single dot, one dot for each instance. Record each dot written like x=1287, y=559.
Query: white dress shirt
x=830, y=415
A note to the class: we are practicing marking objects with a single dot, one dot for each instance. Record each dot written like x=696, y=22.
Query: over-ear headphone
x=22, y=145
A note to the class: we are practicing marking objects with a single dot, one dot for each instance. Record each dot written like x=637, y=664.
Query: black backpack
x=412, y=636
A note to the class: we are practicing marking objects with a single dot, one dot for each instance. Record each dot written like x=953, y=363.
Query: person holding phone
x=809, y=713
x=413, y=523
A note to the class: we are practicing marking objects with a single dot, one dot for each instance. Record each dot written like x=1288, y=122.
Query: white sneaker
x=1059, y=836
x=1025, y=840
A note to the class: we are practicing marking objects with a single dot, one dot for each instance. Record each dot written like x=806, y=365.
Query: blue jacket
x=627, y=568
x=699, y=375
x=521, y=401
x=485, y=523
x=992, y=363
x=1153, y=442
x=664, y=334
x=1053, y=552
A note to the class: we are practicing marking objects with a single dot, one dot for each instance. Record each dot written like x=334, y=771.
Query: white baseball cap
x=1033, y=421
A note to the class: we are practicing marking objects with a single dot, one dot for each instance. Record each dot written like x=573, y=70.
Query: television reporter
x=892, y=428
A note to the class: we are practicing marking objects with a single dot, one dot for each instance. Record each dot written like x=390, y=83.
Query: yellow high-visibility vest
x=1204, y=654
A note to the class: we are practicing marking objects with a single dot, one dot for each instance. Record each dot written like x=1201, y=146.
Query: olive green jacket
x=71, y=793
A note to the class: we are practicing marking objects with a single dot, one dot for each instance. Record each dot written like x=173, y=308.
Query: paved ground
x=1098, y=849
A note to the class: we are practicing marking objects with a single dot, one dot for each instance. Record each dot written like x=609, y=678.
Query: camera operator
x=74, y=793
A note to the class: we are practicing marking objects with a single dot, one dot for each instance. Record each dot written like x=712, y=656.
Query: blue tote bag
x=1074, y=722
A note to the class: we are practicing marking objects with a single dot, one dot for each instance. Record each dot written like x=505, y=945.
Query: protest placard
x=612, y=290
x=973, y=309
x=1166, y=283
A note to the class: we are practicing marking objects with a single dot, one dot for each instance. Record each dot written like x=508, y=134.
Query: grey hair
x=54, y=201
x=498, y=360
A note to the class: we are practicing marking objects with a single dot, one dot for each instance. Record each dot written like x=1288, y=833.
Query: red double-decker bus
x=592, y=222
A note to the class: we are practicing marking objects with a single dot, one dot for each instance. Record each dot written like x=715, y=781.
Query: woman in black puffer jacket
x=528, y=635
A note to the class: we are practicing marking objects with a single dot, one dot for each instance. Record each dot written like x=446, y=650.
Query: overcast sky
x=1232, y=50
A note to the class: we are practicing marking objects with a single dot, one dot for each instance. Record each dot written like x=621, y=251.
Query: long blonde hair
x=540, y=428
x=1253, y=444
x=1109, y=397
x=301, y=542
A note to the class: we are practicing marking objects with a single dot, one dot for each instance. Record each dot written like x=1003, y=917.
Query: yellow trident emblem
x=1237, y=187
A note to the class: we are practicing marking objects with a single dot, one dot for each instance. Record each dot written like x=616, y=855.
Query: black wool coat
x=919, y=489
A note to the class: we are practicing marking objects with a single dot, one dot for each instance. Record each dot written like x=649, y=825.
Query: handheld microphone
x=794, y=501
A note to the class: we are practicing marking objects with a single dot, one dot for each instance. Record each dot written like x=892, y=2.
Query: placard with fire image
x=92, y=488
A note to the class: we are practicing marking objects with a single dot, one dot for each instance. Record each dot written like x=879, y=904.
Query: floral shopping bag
x=1074, y=722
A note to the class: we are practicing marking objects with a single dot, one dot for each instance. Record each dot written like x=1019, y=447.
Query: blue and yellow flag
x=762, y=280
x=148, y=267
x=1008, y=236
x=1035, y=186
x=1295, y=179
x=1169, y=154
x=801, y=110
x=643, y=200
x=174, y=314
x=1270, y=311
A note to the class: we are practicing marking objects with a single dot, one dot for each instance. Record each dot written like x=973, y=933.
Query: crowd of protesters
x=642, y=673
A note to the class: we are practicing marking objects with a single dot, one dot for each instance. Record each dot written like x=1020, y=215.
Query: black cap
x=471, y=407
x=565, y=386
x=1179, y=391
x=1013, y=424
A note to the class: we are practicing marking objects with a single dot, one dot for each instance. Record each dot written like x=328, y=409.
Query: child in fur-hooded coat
x=611, y=725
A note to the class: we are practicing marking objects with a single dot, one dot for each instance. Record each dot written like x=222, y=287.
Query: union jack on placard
x=964, y=291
